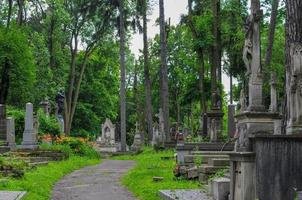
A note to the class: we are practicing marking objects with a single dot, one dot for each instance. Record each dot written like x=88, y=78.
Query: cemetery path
x=100, y=182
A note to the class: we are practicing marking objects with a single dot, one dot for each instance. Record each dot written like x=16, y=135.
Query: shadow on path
x=100, y=182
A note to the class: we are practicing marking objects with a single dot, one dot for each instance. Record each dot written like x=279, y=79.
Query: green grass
x=39, y=182
x=149, y=164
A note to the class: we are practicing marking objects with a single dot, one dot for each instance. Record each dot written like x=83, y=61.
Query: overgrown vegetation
x=39, y=182
x=149, y=164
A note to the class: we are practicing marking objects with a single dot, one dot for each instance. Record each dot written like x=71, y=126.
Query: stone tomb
x=107, y=141
x=30, y=134
x=11, y=140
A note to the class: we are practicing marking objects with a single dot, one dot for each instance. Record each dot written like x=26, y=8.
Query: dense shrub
x=48, y=125
x=79, y=146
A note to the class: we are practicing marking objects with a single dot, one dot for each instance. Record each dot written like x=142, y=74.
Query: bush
x=79, y=146
x=48, y=125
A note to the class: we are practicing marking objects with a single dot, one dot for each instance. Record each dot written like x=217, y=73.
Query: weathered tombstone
x=45, y=105
x=159, y=134
x=107, y=141
x=274, y=105
x=204, y=124
x=11, y=137
x=60, y=98
x=231, y=121
x=214, y=117
x=137, y=142
x=2, y=123
x=30, y=137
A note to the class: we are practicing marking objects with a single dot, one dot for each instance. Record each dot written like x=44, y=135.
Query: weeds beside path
x=149, y=164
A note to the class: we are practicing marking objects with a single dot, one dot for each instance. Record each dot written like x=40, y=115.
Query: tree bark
x=9, y=15
x=293, y=38
x=148, y=98
x=164, y=70
x=123, y=76
x=271, y=35
x=217, y=51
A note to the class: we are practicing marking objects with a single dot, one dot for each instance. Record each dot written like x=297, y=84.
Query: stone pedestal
x=30, y=137
x=243, y=176
x=215, y=120
x=11, y=138
x=231, y=121
x=250, y=124
x=2, y=123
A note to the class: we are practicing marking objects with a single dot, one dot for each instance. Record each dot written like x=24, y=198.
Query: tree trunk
x=51, y=48
x=9, y=15
x=293, y=39
x=4, y=81
x=271, y=35
x=164, y=70
x=148, y=100
x=123, y=76
x=217, y=39
x=20, y=11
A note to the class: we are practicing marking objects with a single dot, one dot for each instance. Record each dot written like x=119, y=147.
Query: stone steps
x=36, y=164
x=204, y=158
x=219, y=162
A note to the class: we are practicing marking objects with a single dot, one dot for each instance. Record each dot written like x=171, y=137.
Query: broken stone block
x=221, y=188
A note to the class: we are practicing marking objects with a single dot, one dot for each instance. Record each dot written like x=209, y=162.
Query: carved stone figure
x=108, y=133
x=248, y=44
x=60, y=98
x=216, y=99
x=243, y=104
x=273, y=106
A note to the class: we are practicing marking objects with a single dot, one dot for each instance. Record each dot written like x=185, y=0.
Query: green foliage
x=13, y=167
x=15, y=48
x=45, y=177
x=149, y=164
x=48, y=124
x=220, y=173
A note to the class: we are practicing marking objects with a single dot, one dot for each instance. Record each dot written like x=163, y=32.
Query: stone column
x=2, y=123
x=30, y=140
x=11, y=137
x=274, y=104
x=231, y=121
x=255, y=79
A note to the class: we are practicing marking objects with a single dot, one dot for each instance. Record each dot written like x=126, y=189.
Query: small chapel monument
x=107, y=141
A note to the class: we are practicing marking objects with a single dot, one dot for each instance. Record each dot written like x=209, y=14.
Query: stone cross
x=11, y=137
x=273, y=106
x=253, y=61
x=160, y=120
x=2, y=122
x=30, y=138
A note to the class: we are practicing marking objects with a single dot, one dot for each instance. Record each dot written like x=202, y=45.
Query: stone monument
x=107, y=141
x=231, y=120
x=30, y=137
x=159, y=131
x=60, y=99
x=214, y=117
x=11, y=137
x=253, y=119
x=137, y=142
x=45, y=105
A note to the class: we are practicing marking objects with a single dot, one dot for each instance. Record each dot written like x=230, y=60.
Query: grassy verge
x=39, y=183
x=149, y=164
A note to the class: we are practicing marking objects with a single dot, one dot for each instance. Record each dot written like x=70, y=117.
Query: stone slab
x=221, y=188
x=183, y=195
x=11, y=195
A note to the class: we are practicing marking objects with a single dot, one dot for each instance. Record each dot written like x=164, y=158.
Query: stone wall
x=278, y=166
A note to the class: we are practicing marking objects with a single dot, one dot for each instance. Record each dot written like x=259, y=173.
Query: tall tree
x=271, y=34
x=164, y=69
x=293, y=53
x=123, y=74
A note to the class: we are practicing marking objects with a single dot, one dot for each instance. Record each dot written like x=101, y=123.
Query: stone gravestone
x=11, y=137
x=30, y=137
x=107, y=141
x=231, y=121
x=137, y=142
x=159, y=132
x=45, y=105
x=2, y=123
x=274, y=105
